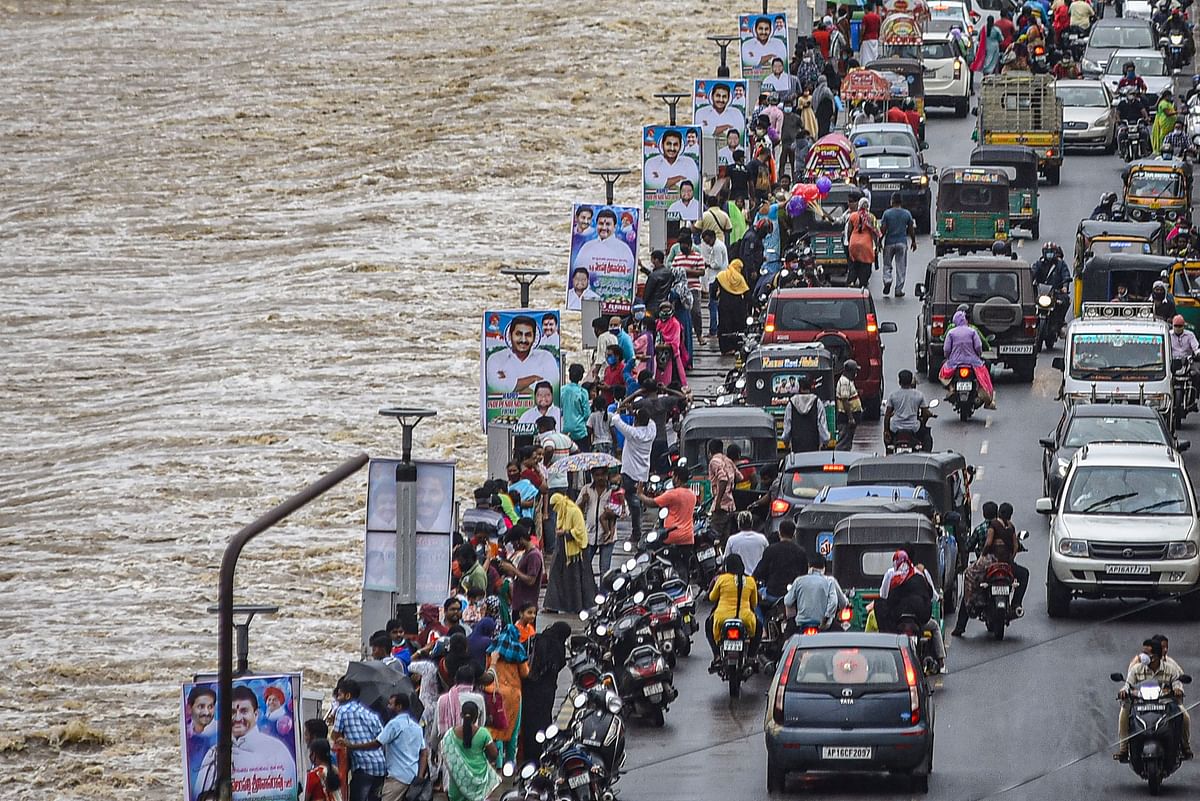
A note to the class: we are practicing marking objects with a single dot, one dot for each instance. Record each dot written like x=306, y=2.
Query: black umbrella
x=380, y=681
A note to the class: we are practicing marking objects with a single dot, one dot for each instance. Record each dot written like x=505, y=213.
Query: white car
x=1089, y=118
x=1124, y=526
x=1150, y=66
x=945, y=14
x=947, y=74
x=1141, y=9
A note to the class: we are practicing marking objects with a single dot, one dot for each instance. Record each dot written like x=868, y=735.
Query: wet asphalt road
x=1032, y=717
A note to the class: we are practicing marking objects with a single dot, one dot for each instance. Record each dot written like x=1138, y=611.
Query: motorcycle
x=1075, y=41
x=964, y=391
x=1184, y=390
x=909, y=441
x=775, y=634
x=1155, y=731
x=921, y=640
x=1133, y=139
x=1051, y=312
x=1174, y=47
x=734, y=664
x=568, y=770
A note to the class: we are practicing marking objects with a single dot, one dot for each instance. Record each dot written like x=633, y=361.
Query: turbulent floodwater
x=230, y=233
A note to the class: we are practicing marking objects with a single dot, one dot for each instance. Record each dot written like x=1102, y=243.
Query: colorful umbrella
x=577, y=462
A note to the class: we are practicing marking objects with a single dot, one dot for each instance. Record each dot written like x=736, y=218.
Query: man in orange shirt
x=680, y=503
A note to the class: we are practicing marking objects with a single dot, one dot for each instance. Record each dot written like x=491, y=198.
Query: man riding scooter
x=1051, y=269
x=907, y=411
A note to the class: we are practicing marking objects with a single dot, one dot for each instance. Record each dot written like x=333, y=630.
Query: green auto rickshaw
x=972, y=208
x=1022, y=189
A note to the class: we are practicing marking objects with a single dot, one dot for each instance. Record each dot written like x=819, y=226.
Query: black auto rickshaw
x=863, y=546
x=944, y=474
x=912, y=72
x=1101, y=276
x=773, y=374
x=824, y=221
x=1022, y=189
x=972, y=208
x=1158, y=190
x=815, y=523
x=750, y=428
x=1097, y=237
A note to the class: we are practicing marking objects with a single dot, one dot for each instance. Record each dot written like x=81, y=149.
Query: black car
x=889, y=170
x=1001, y=303
x=1084, y=423
x=849, y=702
x=803, y=477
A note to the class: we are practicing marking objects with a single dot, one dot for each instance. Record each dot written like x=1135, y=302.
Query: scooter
x=1155, y=731
x=910, y=441
x=734, y=663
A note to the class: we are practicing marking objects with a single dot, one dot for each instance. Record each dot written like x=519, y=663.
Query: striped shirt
x=692, y=262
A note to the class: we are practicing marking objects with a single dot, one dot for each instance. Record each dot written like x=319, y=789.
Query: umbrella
x=577, y=462
x=379, y=681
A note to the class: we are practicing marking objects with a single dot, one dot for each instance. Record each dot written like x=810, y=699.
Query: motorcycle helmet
x=1001, y=247
x=1049, y=249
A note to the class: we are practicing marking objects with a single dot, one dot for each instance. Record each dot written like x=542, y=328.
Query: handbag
x=497, y=716
x=420, y=790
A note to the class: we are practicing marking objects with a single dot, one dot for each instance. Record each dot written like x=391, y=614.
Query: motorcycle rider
x=1184, y=345
x=1104, y=209
x=1164, y=304
x=1130, y=78
x=973, y=576
x=1003, y=530
x=1182, y=240
x=964, y=347
x=781, y=564
x=1151, y=666
x=734, y=594
x=1193, y=92
x=1176, y=141
x=909, y=589
x=805, y=420
x=1052, y=269
x=908, y=411
x=813, y=597
x=1176, y=23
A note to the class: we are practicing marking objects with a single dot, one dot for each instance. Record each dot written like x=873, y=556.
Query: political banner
x=764, y=39
x=719, y=108
x=435, y=527
x=266, y=737
x=520, y=361
x=671, y=170
x=603, y=263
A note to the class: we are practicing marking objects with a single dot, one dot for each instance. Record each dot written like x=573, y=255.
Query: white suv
x=947, y=74
x=1124, y=525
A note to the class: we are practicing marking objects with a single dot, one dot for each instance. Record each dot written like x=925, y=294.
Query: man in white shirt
x=543, y=406
x=687, y=208
x=580, y=290
x=782, y=83
x=635, y=459
x=520, y=365
x=747, y=543
x=720, y=116
x=716, y=259
x=606, y=254
x=668, y=169
x=759, y=51
x=733, y=142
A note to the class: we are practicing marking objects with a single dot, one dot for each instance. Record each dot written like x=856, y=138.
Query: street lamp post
x=672, y=100
x=610, y=176
x=525, y=277
x=723, y=42
x=243, y=631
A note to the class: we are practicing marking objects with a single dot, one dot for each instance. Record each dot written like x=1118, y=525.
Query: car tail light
x=910, y=676
x=872, y=324
x=1031, y=325
x=1050, y=153
x=964, y=372
x=779, y=507
x=779, y=690
x=833, y=468
x=769, y=326
x=938, y=324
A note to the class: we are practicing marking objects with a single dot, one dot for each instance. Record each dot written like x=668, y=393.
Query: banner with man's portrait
x=520, y=356
x=671, y=170
x=719, y=108
x=266, y=738
x=764, y=38
x=603, y=263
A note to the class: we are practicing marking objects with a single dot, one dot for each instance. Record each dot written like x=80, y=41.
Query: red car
x=842, y=319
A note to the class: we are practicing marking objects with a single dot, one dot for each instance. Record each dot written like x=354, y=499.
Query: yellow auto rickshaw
x=1157, y=190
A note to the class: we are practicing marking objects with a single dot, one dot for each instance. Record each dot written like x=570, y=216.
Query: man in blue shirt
x=404, y=747
x=898, y=225
x=576, y=407
x=355, y=723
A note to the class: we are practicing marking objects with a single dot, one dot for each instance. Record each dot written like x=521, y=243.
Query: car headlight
x=1181, y=550
x=1073, y=548
x=1063, y=464
x=1100, y=122
x=1091, y=66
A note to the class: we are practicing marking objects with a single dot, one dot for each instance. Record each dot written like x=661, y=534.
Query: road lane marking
x=988, y=422
x=983, y=448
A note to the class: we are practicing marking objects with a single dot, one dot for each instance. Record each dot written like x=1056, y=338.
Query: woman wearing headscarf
x=432, y=628
x=861, y=236
x=908, y=589
x=964, y=347
x=508, y=661
x=547, y=659
x=572, y=586
x=668, y=347
x=824, y=105
x=1164, y=120
x=479, y=641
x=732, y=295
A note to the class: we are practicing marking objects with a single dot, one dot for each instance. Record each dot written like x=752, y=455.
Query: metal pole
x=225, y=602
x=610, y=176
x=672, y=100
x=723, y=42
x=405, y=599
x=524, y=295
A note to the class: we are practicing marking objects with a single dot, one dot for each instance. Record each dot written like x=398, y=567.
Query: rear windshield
x=937, y=50
x=886, y=161
x=1129, y=37
x=818, y=314
x=1082, y=96
x=807, y=482
x=967, y=286
x=1113, y=429
x=882, y=667
x=883, y=139
x=973, y=198
x=1118, y=357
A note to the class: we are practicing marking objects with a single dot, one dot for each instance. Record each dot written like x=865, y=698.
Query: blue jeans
x=606, y=553
x=635, y=507
x=712, y=315
x=684, y=316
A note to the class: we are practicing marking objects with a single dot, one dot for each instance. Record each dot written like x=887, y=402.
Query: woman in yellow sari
x=733, y=295
x=1164, y=120
x=572, y=587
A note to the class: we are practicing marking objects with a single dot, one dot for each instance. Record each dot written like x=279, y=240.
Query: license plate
x=653, y=689
x=1001, y=590
x=577, y=781
x=846, y=752
x=1127, y=570
x=1016, y=349
x=644, y=632
x=886, y=187
x=1152, y=707
x=732, y=645
x=964, y=386
x=707, y=553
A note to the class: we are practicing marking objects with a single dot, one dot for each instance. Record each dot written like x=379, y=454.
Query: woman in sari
x=1164, y=120
x=509, y=664
x=572, y=587
x=468, y=753
x=987, y=54
x=732, y=294
x=668, y=347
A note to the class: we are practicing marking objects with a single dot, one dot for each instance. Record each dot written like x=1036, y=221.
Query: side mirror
x=750, y=321
x=1022, y=534
x=639, y=596
x=528, y=771
x=1182, y=445
x=662, y=513
x=584, y=615
x=924, y=145
x=509, y=769
x=1116, y=677
x=1059, y=363
x=579, y=703
x=919, y=291
x=627, y=547
x=1185, y=679
x=1046, y=443
x=1044, y=506
x=540, y=737
x=936, y=402
x=888, y=328
x=551, y=732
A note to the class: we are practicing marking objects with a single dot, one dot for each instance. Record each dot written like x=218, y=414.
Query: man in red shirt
x=1004, y=24
x=912, y=116
x=680, y=503
x=868, y=32
x=820, y=35
x=895, y=114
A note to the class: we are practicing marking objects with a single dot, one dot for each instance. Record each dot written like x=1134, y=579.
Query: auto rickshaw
x=1097, y=237
x=915, y=8
x=824, y=222
x=832, y=156
x=773, y=374
x=1185, y=288
x=863, y=546
x=972, y=208
x=1100, y=276
x=1022, y=189
x=899, y=37
x=908, y=79
x=1157, y=190
x=752, y=429
x=816, y=522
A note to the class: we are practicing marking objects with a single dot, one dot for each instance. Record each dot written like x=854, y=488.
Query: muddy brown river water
x=230, y=233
